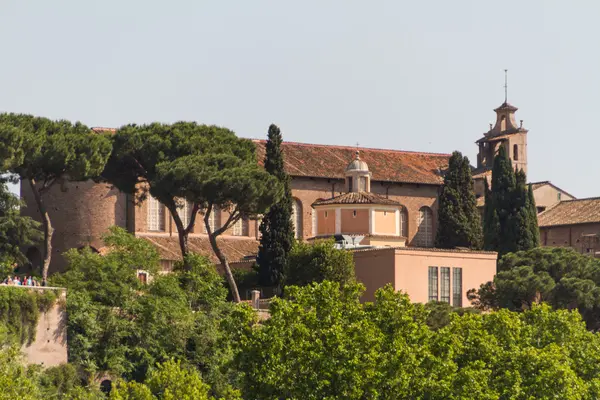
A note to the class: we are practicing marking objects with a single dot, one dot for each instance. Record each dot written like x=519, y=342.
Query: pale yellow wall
x=547, y=195
x=385, y=222
x=355, y=224
x=50, y=345
x=384, y=241
x=326, y=225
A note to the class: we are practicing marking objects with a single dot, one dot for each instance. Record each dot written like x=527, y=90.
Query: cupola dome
x=358, y=177
x=357, y=164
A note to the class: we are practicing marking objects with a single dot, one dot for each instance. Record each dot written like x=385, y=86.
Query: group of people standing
x=18, y=281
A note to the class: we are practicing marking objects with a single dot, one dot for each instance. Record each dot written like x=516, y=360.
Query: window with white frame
x=214, y=219
x=314, y=222
x=238, y=228
x=297, y=218
x=156, y=215
x=424, y=236
x=184, y=210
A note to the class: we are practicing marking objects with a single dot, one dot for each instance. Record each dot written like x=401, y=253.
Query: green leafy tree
x=16, y=231
x=119, y=325
x=276, y=228
x=168, y=381
x=559, y=276
x=459, y=224
x=207, y=166
x=44, y=152
x=317, y=262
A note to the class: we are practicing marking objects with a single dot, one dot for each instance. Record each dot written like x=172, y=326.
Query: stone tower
x=506, y=132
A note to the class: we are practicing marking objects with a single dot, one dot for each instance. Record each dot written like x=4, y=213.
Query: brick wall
x=568, y=236
x=80, y=213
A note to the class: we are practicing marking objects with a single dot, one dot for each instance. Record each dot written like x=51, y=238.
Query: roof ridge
x=587, y=198
x=354, y=148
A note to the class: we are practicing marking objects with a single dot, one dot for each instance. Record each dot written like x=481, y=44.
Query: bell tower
x=505, y=132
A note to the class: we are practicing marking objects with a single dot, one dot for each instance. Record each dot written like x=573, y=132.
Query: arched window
x=184, y=210
x=403, y=222
x=424, y=236
x=503, y=123
x=516, y=152
x=297, y=218
x=214, y=220
x=156, y=215
x=240, y=228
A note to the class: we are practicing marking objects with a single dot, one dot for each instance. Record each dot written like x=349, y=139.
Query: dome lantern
x=358, y=177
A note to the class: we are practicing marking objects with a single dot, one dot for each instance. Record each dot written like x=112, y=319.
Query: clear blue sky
x=411, y=75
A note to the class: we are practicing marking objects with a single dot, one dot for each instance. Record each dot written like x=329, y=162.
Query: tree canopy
x=43, y=152
x=16, y=231
x=207, y=166
x=317, y=262
x=321, y=342
x=276, y=228
x=559, y=276
x=459, y=224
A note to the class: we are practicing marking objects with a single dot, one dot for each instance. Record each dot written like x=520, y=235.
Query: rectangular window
x=156, y=215
x=457, y=287
x=433, y=283
x=445, y=289
x=238, y=228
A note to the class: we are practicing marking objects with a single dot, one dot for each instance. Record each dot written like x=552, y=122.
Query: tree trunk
x=228, y=273
x=182, y=232
x=48, y=231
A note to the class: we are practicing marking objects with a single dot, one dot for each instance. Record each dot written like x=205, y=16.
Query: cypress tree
x=276, y=227
x=535, y=230
x=491, y=224
x=522, y=216
x=502, y=197
x=458, y=219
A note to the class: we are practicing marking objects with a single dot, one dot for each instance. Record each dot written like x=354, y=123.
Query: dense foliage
x=322, y=343
x=16, y=231
x=120, y=325
x=43, y=152
x=459, y=224
x=559, y=276
x=277, y=227
x=20, y=310
x=510, y=215
x=318, y=262
x=207, y=166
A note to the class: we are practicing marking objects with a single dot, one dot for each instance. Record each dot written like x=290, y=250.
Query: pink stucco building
x=371, y=226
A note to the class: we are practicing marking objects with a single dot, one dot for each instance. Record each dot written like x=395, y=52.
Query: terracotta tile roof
x=434, y=249
x=571, y=212
x=235, y=249
x=99, y=129
x=357, y=198
x=326, y=161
